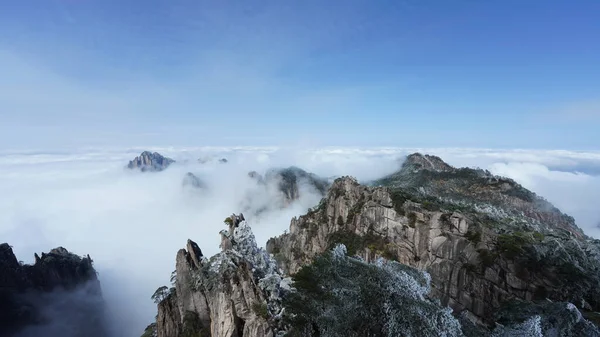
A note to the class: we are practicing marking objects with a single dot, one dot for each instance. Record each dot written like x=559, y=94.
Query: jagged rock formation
x=234, y=293
x=59, y=294
x=150, y=162
x=290, y=179
x=280, y=187
x=484, y=239
x=192, y=181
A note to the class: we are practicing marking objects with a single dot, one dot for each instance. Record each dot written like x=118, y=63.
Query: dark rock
x=150, y=162
x=50, y=295
x=194, y=252
x=290, y=179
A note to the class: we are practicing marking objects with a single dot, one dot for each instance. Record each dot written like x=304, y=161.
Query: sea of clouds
x=133, y=224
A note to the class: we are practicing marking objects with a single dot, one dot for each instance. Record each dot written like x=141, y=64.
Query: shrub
x=512, y=245
x=260, y=309
x=412, y=219
x=473, y=236
x=160, y=294
x=487, y=258
x=228, y=221
x=470, y=268
x=340, y=221
x=398, y=200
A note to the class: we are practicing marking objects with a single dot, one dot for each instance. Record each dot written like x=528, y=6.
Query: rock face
x=235, y=293
x=483, y=239
x=59, y=294
x=288, y=184
x=290, y=179
x=150, y=162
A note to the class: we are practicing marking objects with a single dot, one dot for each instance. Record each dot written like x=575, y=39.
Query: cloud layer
x=133, y=224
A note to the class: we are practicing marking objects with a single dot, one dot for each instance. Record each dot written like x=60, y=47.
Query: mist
x=132, y=224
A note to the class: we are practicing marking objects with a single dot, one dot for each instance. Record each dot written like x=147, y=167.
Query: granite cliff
x=150, y=162
x=280, y=187
x=234, y=293
x=485, y=240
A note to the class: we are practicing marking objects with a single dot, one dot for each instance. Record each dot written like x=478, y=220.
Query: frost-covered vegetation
x=263, y=267
x=547, y=319
x=339, y=295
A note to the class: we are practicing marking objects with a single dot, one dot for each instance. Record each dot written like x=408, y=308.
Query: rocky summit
x=431, y=250
x=150, y=162
x=234, y=293
x=59, y=295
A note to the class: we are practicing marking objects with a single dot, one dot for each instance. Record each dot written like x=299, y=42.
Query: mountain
x=430, y=250
x=483, y=239
x=429, y=177
x=290, y=181
x=150, y=162
x=191, y=180
x=59, y=295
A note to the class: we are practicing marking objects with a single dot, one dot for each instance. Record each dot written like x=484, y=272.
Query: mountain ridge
x=484, y=241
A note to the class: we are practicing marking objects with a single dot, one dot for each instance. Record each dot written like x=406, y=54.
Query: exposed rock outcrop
x=280, y=187
x=290, y=179
x=235, y=293
x=59, y=294
x=150, y=162
x=483, y=239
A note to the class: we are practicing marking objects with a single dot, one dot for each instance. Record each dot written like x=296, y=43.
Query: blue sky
x=511, y=74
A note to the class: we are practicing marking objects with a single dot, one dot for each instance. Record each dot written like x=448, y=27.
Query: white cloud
x=133, y=224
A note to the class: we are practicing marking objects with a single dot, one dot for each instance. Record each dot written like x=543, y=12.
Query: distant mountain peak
x=418, y=161
x=150, y=162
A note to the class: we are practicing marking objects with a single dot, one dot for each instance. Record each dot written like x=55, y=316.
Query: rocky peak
x=191, y=180
x=150, y=162
x=418, y=161
x=235, y=293
x=290, y=179
x=469, y=188
x=30, y=293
